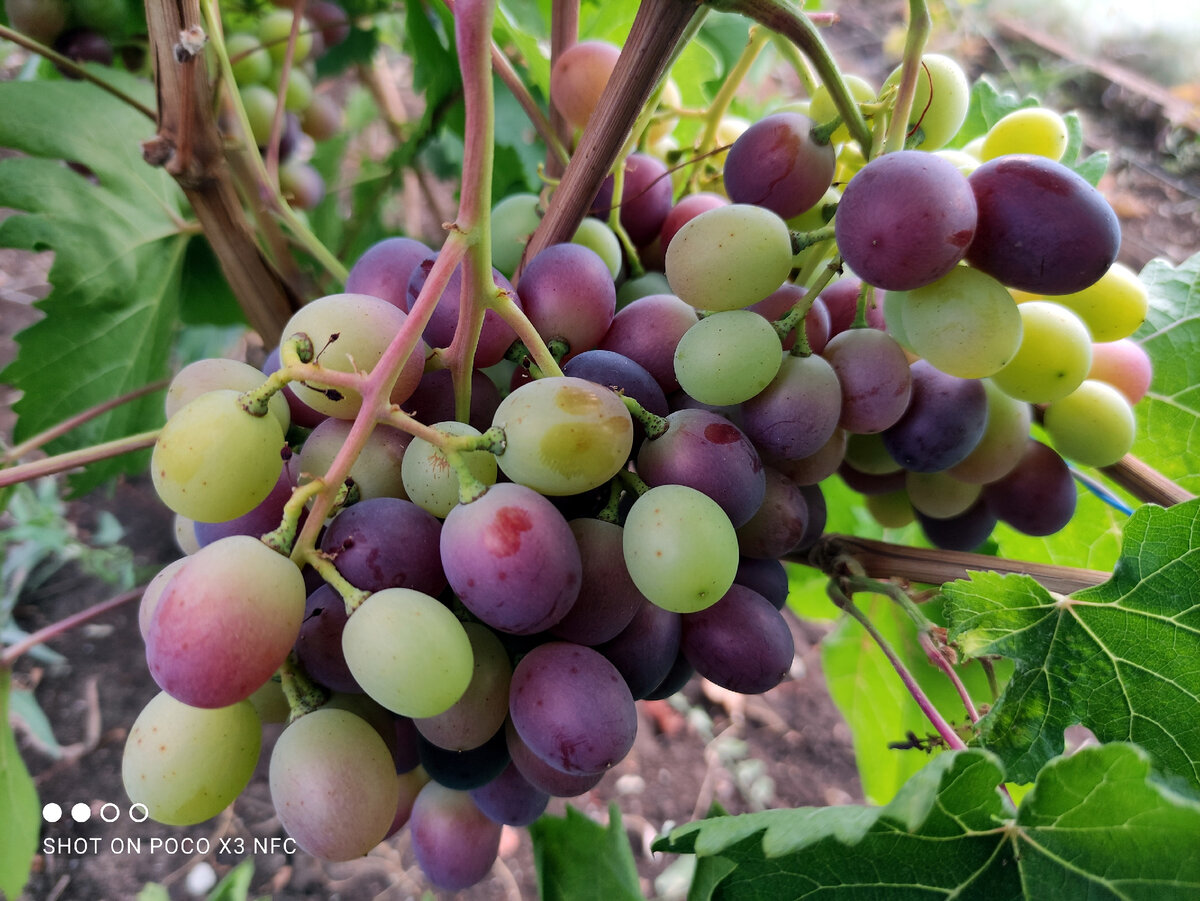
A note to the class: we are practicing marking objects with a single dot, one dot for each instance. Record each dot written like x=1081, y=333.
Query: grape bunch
x=85, y=31
x=459, y=625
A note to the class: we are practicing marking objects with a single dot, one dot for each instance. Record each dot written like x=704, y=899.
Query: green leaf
x=119, y=255
x=153, y=891
x=988, y=106
x=1099, y=824
x=26, y=709
x=578, y=859
x=1119, y=658
x=1168, y=418
x=19, y=809
x=1091, y=167
x=236, y=884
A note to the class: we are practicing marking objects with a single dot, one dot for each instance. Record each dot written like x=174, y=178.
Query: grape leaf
x=577, y=858
x=1168, y=418
x=19, y=810
x=1099, y=824
x=119, y=243
x=1119, y=658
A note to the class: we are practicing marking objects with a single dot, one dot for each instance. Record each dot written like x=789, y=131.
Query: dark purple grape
x=944, y=421
x=319, y=647
x=496, y=335
x=645, y=198
x=464, y=770
x=83, y=45
x=510, y=799
x=741, y=642
x=964, y=532
x=541, y=775
x=705, y=451
x=512, y=559
x=1042, y=227
x=779, y=523
x=572, y=708
x=567, y=292
x=817, y=515
x=798, y=412
x=646, y=650
x=333, y=25
x=767, y=577
x=608, y=599
x=455, y=844
x=617, y=371
x=385, y=268
x=874, y=373
x=1038, y=496
x=905, y=219
x=433, y=400
x=775, y=163
x=385, y=542
x=648, y=332
x=681, y=672
x=404, y=744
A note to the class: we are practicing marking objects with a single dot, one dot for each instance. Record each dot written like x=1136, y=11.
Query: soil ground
x=786, y=748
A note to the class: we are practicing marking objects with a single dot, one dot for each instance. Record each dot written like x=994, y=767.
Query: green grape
x=1034, y=129
x=966, y=323
x=729, y=257
x=513, y=220
x=892, y=510
x=563, y=435
x=431, y=482
x=213, y=461
x=251, y=63
x=480, y=712
x=212, y=374
x=274, y=30
x=1113, y=307
x=680, y=548
x=1004, y=440
x=867, y=453
x=1054, y=356
x=941, y=99
x=963, y=161
x=408, y=652
x=260, y=103
x=596, y=235
x=940, y=495
x=1093, y=425
x=822, y=108
x=728, y=357
x=187, y=764
x=299, y=92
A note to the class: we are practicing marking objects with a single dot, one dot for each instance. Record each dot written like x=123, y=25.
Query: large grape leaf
x=19, y=811
x=1122, y=658
x=119, y=240
x=1097, y=825
x=1168, y=418
x=579, y=859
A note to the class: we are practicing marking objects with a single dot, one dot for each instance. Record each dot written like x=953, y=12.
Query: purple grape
x=705, y=451
x=572, y=708
x=464, y=770
x=817, y=515
x=767, y=577
x=84, y=45
x=872, y=483
x=681, y=672
x=386, y=542
x=496, y=335
x=617, y=371
x=905, y=220
x=1038, y=496
x=385, y=268
x=776, y=164
x=645, y=198
x=512, y=559
x=964, y=532
x=798, y=412
x=319, y=647
x=567, y=292
x=841, y=303
x=646, y=650
x=648, y=331
x=1042, y=227
x=779, y=303
x=779, y=523
x=433, y=401
x=944, y=421
x=541, y=775
x=608, y=599
x=817, y=466
x=741, y=642
x=455, y=844
x=510, y=799
x=875, y=377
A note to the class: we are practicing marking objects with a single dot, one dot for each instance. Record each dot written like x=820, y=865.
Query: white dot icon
x=52, y=812
x=81, y=813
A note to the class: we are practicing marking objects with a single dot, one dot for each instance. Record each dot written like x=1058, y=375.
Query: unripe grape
x=1035, y=130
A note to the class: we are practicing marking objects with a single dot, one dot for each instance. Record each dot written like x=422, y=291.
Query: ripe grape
x=385, y=268
x=1124, y=365
x=479, y=714
x=875, y=378
x=495, y=335
x=964, y=532
x=510, y=799
x=386, y=542
x=944, y=421
x=776, y=164
x=567, y=292
x=688, y=207
x=542, y=775
x=608, y=599
x=455, y=844
x=1037, y=497
x=798, y=412
x=645, y=650
x=265, y=517
x=742, y=642
x=648, y=331
x=645, y=198
x=780, y=522
x=466, y=769
x=319, y=645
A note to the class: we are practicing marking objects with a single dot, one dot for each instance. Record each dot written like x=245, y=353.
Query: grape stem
x=15, y=650
x=302, y=693
x=654, y=426
x=919, y=27
x=71, y=459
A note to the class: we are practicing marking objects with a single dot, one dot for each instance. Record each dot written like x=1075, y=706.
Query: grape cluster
x=493, y=592
x=85, y=31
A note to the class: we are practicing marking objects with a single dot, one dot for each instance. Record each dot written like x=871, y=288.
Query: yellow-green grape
x=213, y=461
x=431, y=482
x=211, y=374
x=941, y=99
x=513, y=220
x=251, y=63
x=850, y=160
x=963, y=161
x=187, y=764
x=728, y=357
x=1113, y=307
x=259, y=102
x=892, y=510
x=1004, y=440
x=1034, y=129
x=408, y=652
x=940, y=495
x=1093, y=425
x=822, y=108
x=596, y=235
x=1054, y=356
x=274, y=31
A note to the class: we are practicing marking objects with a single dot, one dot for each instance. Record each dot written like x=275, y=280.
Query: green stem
x=758, y=38
x=919, y=27
x=655, y=426
x=69, y=65
x=302, y=693
x=324, y=566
